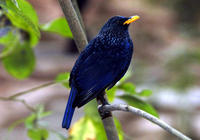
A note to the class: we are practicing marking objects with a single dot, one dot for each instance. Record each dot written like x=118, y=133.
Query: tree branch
x=75, y=5
x=13, y=97
x=81, y=41
x=31, y=90
x=145, y=115
x=19, y=100
x=74, y=24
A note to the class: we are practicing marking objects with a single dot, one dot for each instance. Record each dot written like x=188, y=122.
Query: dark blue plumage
x=101, y=65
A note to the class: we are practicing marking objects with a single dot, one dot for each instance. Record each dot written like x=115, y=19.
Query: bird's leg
x=102, y=99
x=104, y=114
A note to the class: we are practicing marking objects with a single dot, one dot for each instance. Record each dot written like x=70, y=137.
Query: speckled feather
x=101, y=65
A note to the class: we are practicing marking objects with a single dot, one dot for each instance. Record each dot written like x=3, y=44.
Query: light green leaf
x=24, y=17
x=90, y=109
x=63, y=78
x=145, y=92
x=125, y=77
x=111, y=94
x=83, y=129
x=45, y=114
x=99, y=128
x=119, y=128
x=27, y=9
x=20, y=63
x=38, y=134
x=8, y=39
x=41, y=113
x=128, y=88
x=91, y=112
x=59, y=26
x=30, y=121
x=138, y=103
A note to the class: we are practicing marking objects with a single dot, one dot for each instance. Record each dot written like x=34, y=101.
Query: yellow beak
x=132, y=19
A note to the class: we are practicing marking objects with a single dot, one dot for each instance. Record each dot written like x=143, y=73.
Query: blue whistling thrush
x=100, y=65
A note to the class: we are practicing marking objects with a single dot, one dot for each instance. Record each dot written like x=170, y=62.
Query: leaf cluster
x=20, y=33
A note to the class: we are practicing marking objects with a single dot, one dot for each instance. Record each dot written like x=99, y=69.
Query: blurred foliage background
x=37, y=50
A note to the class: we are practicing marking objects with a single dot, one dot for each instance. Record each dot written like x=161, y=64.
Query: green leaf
x=63, y=78
x=128, y=87
x=145, y=92
x=45, y=114
x=41, y=113
x=37, y=134
x=20, y=63
x=90, y=109
x=59, y=26
x=24, y=17
x=125, y=77
x=111, y=94
x=119, y=128
x=99, y=129
x=83, y=129
x=27, y=9
x=138, y=103
x=9, y=39
x=30, y=121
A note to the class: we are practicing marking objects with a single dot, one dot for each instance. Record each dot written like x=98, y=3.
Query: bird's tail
x=69, y=111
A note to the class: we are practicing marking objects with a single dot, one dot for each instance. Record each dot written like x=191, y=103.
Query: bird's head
x=118, y=24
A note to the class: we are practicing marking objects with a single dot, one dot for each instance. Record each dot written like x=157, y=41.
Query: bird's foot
x=104, y=113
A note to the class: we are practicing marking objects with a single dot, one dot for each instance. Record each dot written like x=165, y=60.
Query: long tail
x=69, y=111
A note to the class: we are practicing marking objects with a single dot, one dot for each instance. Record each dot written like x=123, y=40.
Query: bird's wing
x=96, y=73
x=82, y=57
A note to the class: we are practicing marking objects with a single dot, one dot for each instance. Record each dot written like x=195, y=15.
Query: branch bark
x=145, y=115
x=81, y=41
x=74, y=24
x=76, y=8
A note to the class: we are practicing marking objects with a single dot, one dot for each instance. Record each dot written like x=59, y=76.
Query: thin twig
x=147, y=116
x=13, y=97
x=29, y=107
x=31, y=90
x=19, y=100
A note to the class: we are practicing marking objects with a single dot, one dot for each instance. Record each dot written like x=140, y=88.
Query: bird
x=102, y=63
